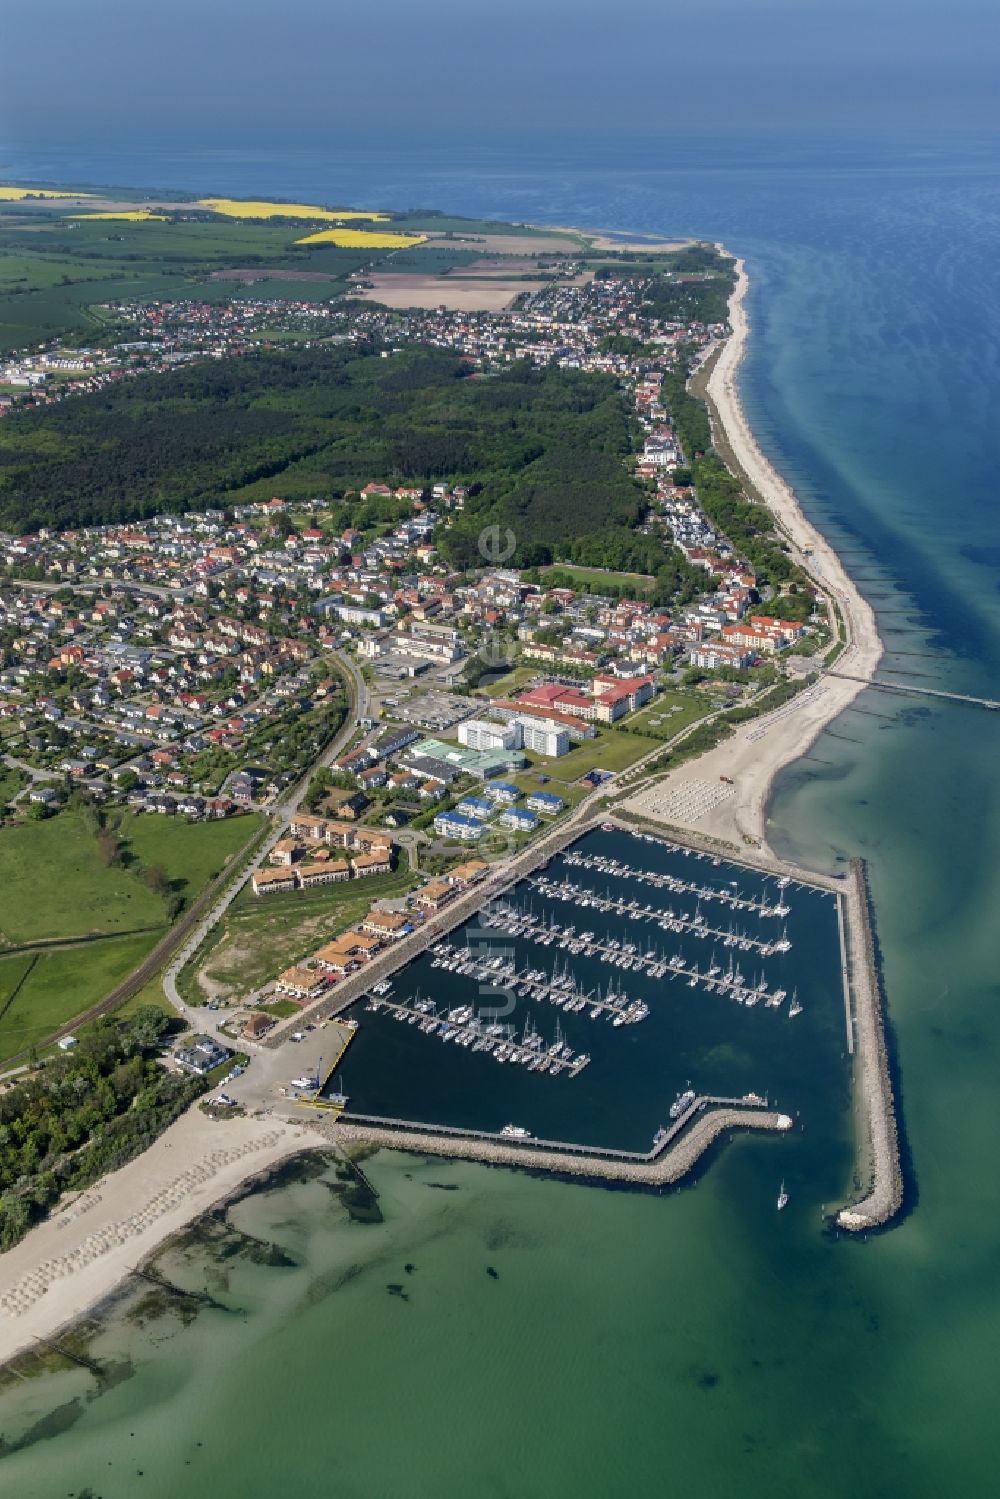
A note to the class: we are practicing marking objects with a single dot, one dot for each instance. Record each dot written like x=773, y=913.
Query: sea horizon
x=717, y=1338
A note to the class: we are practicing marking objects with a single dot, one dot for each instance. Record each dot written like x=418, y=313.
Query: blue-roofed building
x=520, y=820
x=476, y=806
x=502, y=791
x=546, y=802
x=454, y=825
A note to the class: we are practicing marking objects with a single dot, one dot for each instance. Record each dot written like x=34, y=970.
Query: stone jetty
x=878, y=1137
x=659, y=1169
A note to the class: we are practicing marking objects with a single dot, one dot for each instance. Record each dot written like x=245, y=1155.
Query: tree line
x=84, y=1113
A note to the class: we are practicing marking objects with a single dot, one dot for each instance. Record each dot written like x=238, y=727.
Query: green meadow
x=57, y=888
x=41, y=991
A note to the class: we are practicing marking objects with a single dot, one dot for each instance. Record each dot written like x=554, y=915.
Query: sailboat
x=794, y=1008
x=782, y=1197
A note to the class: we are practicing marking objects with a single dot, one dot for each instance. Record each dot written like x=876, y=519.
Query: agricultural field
x=60, y=262
x=128, y=216
x=362, y=239
x=243, y=208
x=19, y=194
x=260, y=936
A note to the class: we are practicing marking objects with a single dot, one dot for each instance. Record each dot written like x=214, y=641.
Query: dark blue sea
x=499, y=1334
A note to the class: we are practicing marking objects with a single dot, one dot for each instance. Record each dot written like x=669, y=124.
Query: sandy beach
x=76, y=1258
x=736, y=809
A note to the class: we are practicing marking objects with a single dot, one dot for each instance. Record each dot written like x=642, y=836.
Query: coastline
x=758, y=751
x=74, y=1260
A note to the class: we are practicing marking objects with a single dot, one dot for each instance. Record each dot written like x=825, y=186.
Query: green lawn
x=674, y=710
x=56, y=887
x=42, y=991
x=611, y=750
x=596, y=579
x=192, y=853
x=11, y=782
x=262, y=935
x=512, y=681
x=527, y=781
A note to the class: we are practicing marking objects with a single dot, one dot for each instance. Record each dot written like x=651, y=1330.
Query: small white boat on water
x=782, y=1197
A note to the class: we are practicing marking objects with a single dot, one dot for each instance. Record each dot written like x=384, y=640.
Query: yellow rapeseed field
x=238, y=208
x=18, y=194
x=134, y=215
x=362, y=239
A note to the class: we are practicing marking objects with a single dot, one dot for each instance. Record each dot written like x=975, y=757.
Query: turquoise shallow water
x=697, y=1340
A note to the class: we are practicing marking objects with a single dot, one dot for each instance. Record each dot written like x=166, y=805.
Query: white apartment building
x=477, y=734
x=543, y=738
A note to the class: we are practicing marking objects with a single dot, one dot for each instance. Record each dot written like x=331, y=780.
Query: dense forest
x=544, y=450
x=84, y=1113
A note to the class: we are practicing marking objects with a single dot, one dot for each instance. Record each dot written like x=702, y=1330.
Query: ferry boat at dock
x=682, y=1103
x=516, y=1132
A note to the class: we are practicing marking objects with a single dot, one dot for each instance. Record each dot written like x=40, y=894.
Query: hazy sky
x=269, y=70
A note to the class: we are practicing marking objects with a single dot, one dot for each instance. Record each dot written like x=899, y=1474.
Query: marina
x=576, y=974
